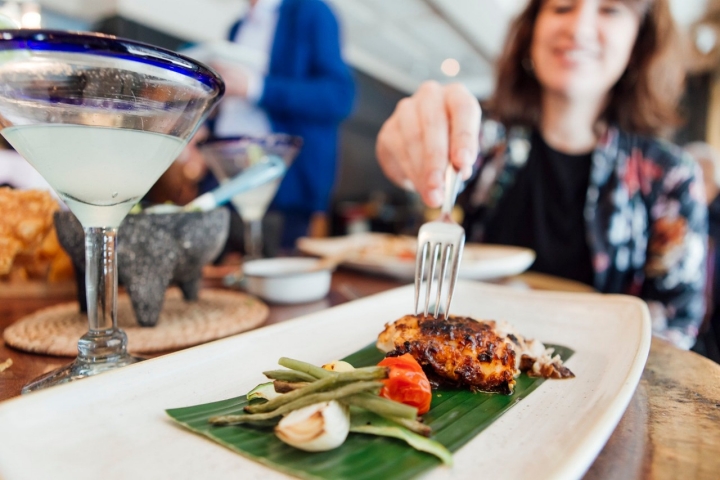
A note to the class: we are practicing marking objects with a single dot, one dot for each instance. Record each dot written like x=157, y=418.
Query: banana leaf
x=455, y=416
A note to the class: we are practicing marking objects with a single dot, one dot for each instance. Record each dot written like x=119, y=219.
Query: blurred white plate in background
x=394, y=255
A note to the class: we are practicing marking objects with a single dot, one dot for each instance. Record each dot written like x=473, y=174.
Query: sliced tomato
x=403, y=362
x=406, y=382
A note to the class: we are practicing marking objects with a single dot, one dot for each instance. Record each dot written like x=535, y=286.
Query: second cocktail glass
x=101, y=118
x=228, y=157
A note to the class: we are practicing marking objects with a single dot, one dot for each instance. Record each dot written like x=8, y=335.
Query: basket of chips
x=29, y=248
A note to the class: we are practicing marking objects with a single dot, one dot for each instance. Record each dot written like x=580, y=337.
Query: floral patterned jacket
x=645, y=220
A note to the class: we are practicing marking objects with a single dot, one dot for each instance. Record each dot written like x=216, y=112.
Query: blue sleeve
x=233, y=31
x=326, y=95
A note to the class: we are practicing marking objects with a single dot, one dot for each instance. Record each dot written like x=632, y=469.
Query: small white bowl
x=287, y=280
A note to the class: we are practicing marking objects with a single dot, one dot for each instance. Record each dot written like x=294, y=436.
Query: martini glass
x=228, y=157
x=101, y=118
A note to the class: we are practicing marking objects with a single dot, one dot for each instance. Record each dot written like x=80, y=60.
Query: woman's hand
x=437, y=124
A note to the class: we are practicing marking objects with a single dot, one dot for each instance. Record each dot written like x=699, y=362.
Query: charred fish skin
x=464, y=352
x=460, y=351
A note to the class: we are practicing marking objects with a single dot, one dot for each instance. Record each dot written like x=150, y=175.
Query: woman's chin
x=576, y=89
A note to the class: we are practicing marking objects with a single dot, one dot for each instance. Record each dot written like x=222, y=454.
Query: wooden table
x=671, y=428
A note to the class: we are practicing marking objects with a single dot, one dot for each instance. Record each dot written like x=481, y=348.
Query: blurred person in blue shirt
x=303, y=87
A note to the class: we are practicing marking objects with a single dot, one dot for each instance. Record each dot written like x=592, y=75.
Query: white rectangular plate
x=114, y=427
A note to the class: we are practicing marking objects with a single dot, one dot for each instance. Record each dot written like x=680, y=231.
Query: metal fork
x=440, y=238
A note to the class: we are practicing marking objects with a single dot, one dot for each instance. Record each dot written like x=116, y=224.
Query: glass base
x=98, y=352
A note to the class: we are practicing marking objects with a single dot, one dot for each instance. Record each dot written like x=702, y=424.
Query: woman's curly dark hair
x=645, y=98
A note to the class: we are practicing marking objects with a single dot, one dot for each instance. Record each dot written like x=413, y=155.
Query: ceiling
x=401, y=42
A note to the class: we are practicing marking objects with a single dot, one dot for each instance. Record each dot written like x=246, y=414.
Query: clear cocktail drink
x=99, y=172
x=101, y=118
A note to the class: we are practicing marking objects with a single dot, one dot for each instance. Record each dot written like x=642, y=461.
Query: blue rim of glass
x=111, y=46
x=283, y=139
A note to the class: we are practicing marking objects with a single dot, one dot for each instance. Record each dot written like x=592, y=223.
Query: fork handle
x=452, y=186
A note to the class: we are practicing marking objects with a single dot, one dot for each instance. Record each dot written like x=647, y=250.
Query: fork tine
x=439, y=237
x=445, y=255
x=419, y=270
x=430, y=275
x=457, y=257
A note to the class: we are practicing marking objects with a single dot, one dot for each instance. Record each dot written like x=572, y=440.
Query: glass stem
x=253, y=238
x=101, y=277
x=104, y=341
x=104, y=346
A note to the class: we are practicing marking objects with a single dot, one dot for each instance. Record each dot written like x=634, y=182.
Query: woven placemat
x=218, y=313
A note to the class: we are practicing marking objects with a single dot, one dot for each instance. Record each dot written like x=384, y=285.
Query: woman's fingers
x=464, y=118
x=433, y=141
x=410, y=152
x=424, y=130
x=390, y=151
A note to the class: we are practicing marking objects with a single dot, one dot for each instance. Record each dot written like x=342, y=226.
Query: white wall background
x=401, y=42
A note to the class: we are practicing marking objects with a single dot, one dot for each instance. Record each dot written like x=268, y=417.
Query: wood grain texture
x=684, y=412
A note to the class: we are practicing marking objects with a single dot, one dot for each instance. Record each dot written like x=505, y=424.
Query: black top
x=543, y=210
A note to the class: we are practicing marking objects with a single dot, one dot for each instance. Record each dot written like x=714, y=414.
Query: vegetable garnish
x=318, y=405
x=325, y=384
x=266, y=391
x=406, y=383
x=369, y=423
x=315, y=428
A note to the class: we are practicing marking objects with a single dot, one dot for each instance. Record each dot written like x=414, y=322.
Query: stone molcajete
x=153, y=252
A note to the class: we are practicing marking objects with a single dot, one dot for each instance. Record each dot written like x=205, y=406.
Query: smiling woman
x=621, y=55
x=574, y=170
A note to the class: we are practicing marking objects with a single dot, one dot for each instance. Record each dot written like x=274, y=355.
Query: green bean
x=358, y=414
x=342, y=392
x=304, y=367
x=285, y=387
x=318, y=372
x=370, y=423
x=289, y=376
x=382, y=406
x=326, y=383
x=412, y=425
x=368, y=369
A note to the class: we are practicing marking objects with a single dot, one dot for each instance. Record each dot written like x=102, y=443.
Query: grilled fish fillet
x=481, y=355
